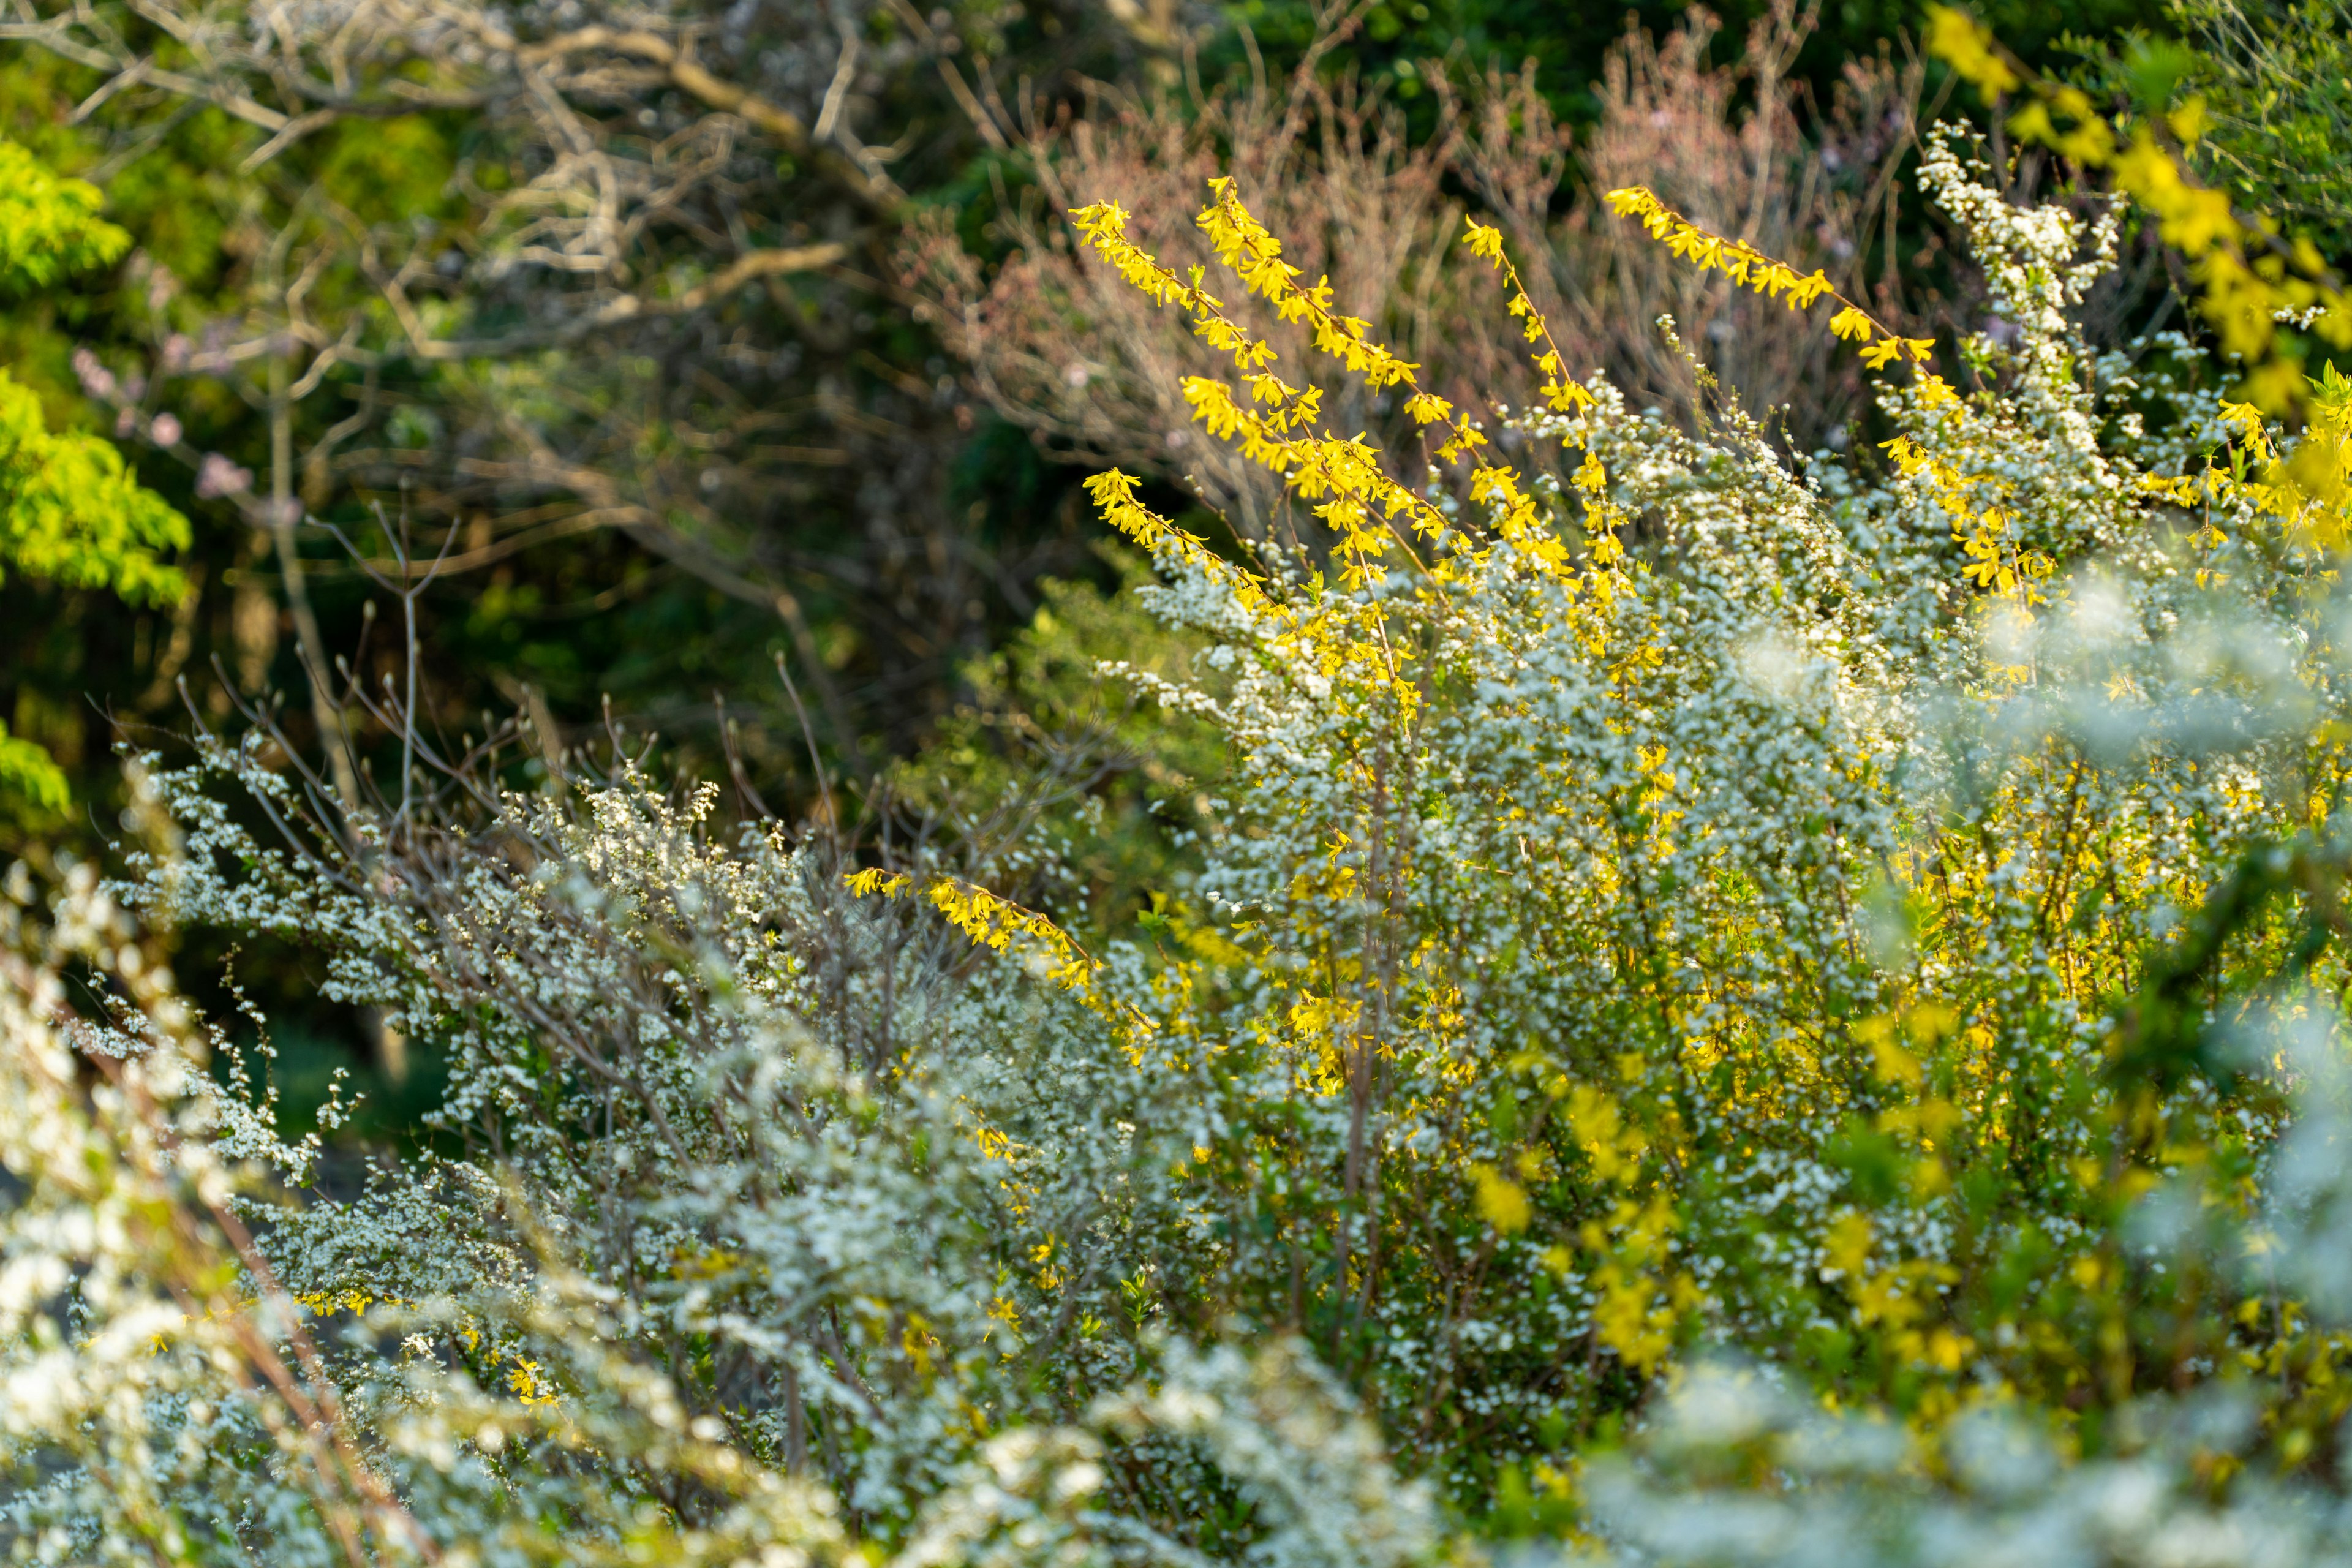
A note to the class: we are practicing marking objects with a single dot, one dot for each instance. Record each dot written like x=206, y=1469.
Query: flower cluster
x=1732, y=1009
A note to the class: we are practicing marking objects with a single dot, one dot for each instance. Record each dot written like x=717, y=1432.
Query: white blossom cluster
x=452, y=1368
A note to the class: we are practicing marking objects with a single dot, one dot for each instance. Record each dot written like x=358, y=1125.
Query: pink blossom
x=97, y=381
x=216, y=476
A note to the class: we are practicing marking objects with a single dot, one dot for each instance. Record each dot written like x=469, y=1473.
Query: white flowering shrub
x=1736, y=1010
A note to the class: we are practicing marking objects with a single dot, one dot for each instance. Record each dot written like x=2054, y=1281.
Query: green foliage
x=1399, y=42
x=71, y=513
x=2276, y=80
x=27, y=773
x=50, y=227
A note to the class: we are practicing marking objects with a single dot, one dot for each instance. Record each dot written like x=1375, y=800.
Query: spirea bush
x=1740, y=1008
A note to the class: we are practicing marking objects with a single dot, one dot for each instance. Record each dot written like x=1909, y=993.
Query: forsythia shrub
x=1732, y=1010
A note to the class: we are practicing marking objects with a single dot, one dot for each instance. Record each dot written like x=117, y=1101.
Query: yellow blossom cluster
x=999, y=925
x=1561, y=394
x=1275, y=423
x=1751, y=268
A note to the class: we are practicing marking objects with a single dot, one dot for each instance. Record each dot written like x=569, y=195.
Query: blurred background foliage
x=718, y=373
